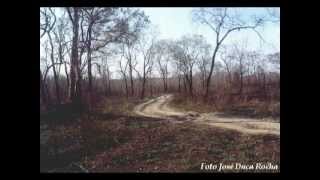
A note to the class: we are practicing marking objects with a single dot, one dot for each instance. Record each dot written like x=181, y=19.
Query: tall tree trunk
x=68, y=80
x=75, y=74
x=143, y=81
x=241, y=83
x=164, y=84
x=89, y=58
x=264, y=86
x=126, y=85
x=109, y=81
x=143, y=88
x=185, y=84
x=61, y=59
x=43, y=93
x=89, y=68
x=179, y=87
x=241, y=77
x=211, y=71
x=151, y=88
x=131, y=78
x=54, y=71
x=191, y=85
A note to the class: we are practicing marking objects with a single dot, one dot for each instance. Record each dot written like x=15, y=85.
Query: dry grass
x=187, y=104
x=242, y=108
x=155, y=146
x=114, y=141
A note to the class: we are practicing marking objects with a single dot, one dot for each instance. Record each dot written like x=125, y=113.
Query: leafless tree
x=188, y=51
x=55, y=75
x=239, y=56
x=222, y=22
x=123, y=71
x=228, y=62
x=52, y=55
x=103, y=66
x=204, y=62
x=95, y=19
x=129, y=53
x=75, y=74
x=275, y=59
x=147, y=48
x=80, y=44
x=47, y=20
x=162, y=58
x=61, y=42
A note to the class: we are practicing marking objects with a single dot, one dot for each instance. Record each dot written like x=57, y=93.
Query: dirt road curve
x=159, y=108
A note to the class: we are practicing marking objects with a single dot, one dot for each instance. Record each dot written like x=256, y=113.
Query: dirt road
x=159, y=108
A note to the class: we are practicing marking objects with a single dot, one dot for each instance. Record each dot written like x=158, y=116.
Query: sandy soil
x=159, y=108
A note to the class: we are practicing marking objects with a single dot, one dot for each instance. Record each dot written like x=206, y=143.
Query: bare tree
x=128, y=52
x=47, y=20
x=178, y=71
x=190, y=50
x=55, y=75
x=104, y=68
x=123, y=71
x=60, y=33
x=75, y=74
x=96, y=19
x=162, y=59
x=43, y=94
x=147, y=48
x=275, y=60
x=111, y=25
x=222, y=22
x=228, y=62
x=239, y=55
x=52, y=58
x=204, y=62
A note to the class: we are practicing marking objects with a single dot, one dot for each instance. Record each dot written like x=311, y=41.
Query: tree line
x=82, y=47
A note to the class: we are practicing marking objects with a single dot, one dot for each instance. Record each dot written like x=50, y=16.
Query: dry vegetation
x=97, y=64
x=250, y=109
x=123, y=143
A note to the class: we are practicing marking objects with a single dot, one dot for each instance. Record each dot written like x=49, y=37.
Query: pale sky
x=176, y=22
x=173, y=23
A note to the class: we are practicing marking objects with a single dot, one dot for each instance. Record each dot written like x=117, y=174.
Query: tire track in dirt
x=159, y=108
